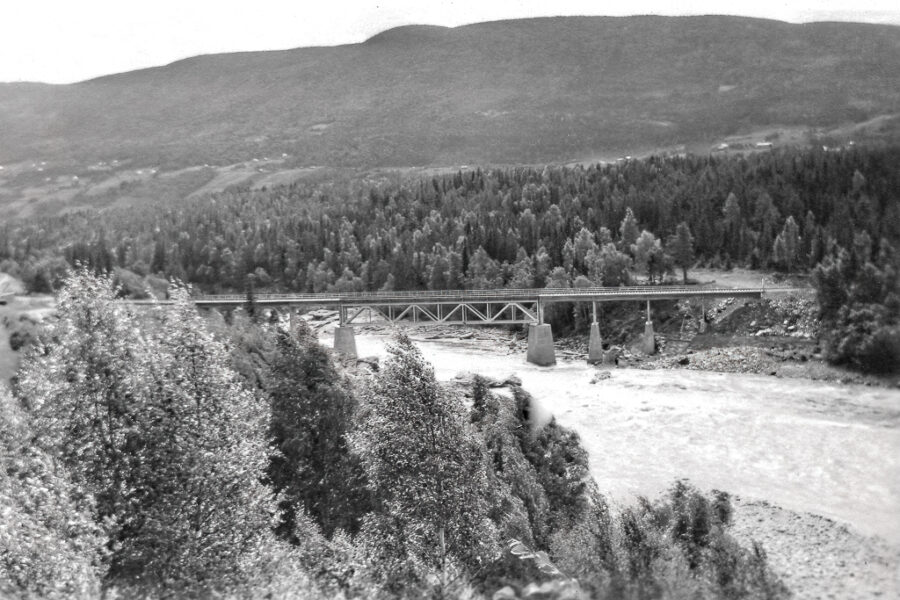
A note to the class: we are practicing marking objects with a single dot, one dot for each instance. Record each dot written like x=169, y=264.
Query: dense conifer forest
x=486, y=228
x=789, y=210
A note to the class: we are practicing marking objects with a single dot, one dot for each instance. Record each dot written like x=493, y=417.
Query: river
x=829, y=449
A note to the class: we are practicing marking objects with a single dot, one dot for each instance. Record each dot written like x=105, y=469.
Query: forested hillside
x=505, y=92
x=520, y=227
x=489, y=228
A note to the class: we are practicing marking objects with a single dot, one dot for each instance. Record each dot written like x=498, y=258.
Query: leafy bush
x=880, y=352
x=50, y=546
x=23, y=334
x=859, y=307
x=676, y=547
x=153, y=423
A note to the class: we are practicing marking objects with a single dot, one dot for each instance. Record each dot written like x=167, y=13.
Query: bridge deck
x=545, y=295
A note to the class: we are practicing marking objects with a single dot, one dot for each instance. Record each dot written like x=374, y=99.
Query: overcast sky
x=61, y=41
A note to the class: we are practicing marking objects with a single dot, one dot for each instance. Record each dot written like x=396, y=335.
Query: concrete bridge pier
x=595, y=345
x=345, y=340
x=702, y=327
x=540, y=345
x=647, y=344
x=344, y=336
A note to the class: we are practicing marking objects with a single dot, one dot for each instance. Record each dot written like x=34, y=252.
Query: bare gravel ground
x=737, y=278
x=819, y=557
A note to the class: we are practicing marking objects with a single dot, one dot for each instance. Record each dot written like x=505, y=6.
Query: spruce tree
x=312, y=411
x=250, y=306
x=628, y=231
x=731, y=223
x=766, y=218
x=786, y=248
x=681, y=247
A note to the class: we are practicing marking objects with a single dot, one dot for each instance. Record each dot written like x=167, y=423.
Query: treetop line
x=483, y=229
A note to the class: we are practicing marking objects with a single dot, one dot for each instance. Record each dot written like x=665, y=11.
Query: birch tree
x=84, y=382
x=204, y=513
x=426, y=470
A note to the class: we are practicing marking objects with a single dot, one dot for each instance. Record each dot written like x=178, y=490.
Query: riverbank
x=814, y=464
x=775, y=354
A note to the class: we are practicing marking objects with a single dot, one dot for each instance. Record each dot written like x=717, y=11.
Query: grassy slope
x=501, y=92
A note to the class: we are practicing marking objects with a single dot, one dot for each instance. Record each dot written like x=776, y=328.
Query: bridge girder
x=491, y=312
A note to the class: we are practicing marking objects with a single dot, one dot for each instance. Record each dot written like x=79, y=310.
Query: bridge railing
x=515, y=293
x=411, y=294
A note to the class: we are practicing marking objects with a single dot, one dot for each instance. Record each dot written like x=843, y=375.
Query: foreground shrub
x=85, y=384
x=151, y=420
x=676, y=547
x=538, y=474
x=50, y=546
x=200, y=507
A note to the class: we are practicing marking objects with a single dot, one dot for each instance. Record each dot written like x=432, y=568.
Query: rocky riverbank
x=773, y=336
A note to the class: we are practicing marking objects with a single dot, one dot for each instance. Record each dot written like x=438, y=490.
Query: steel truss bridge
x=472, y=307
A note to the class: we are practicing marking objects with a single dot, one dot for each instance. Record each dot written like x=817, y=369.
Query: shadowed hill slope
x=500, y=92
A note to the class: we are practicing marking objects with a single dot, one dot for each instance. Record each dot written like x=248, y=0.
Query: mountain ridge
x=509, y=91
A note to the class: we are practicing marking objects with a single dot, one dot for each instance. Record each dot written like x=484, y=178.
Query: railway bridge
x=485, y=307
